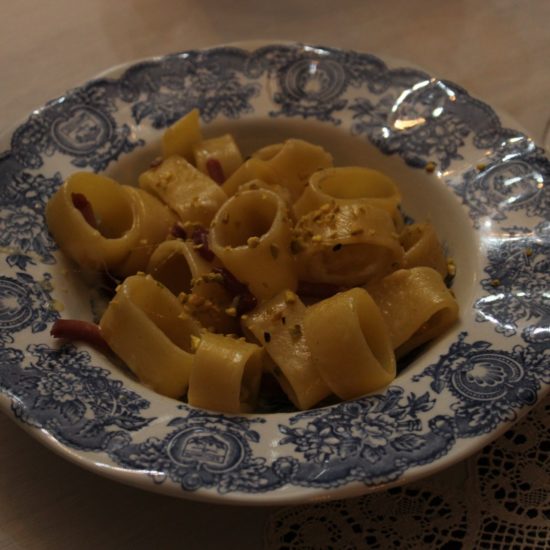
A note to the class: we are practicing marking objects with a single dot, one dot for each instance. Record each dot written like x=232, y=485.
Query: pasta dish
x=235, y=272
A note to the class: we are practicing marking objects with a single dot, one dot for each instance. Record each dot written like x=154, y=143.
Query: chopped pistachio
x=195, y=343
x=231, y=311
x=253, y=242
x=451, y=267
x=290, y=297
x=195, y=300
x=213, y=278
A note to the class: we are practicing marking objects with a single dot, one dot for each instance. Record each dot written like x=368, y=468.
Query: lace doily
x=498, y=499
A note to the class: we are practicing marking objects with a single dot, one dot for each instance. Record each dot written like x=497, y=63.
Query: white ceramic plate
x=488, y=197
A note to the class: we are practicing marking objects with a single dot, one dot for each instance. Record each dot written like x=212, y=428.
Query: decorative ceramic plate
x=484, y=186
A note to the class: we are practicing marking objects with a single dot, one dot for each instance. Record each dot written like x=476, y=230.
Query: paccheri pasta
x=232, y=271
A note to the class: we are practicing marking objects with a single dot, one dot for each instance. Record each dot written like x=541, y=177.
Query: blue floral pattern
x=81, y=125
x=513, y=179
x=211, y=82
x=372, y=439
x=517, y=285
x=422, y=119
x=206, y=450
x=76, y=402
x=490, y=386
x=472, y=389
x=24, y=303
x=23, y=198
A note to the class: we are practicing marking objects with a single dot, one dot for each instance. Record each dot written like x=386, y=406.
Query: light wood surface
x=498, y=50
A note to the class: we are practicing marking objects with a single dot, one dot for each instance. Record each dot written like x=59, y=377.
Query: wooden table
x=498, y=50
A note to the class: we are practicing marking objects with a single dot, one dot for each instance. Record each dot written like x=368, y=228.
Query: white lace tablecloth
x=497, y=499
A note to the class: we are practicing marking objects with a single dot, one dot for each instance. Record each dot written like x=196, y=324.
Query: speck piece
x=430, y=167
x=231, y=311
x=290, y=297
x=253, y=242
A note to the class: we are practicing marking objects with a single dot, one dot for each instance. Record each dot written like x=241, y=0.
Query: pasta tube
x=422, y=247
x=416, y=306
x=349, y=185
x=289, y=165
x=193, y=196
x=283, y=192
x=295, y=162
x=346, y=244
x=268, y=152
x=252, y=169
x=278, y=325
x=152, y=220
x=226, y=374
x=113, y=227
x=251, y=236
x=147, y=327
x=350, y=344
x=180, y=138
x=221, y=150
x=177, y=265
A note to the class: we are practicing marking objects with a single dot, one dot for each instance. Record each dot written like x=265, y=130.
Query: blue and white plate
x=483, y=184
